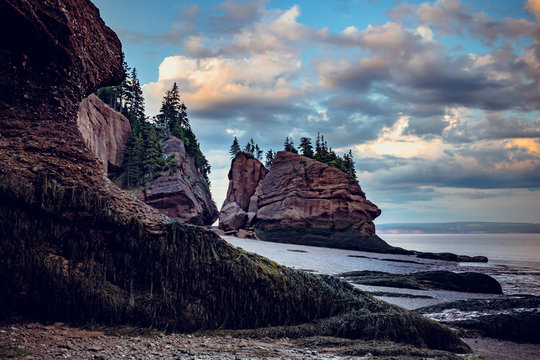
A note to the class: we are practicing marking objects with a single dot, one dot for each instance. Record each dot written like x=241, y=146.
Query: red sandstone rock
x=302, y=201
x=184, y=194
x=105, y=131
x=244, y=176
x=302, y=192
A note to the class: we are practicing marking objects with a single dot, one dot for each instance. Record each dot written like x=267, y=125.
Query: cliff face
x=184, y=194
x=302, y=201
x=105, y=131
x=75, y=247
x=244, y=177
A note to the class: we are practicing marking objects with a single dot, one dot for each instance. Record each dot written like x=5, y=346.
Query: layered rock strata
x=75, y=247
x=183, y=194
x=105, y=131
x=301, y=201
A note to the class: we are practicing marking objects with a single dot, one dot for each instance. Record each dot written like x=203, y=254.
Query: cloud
x=449, y=17
x=426, y=123
x=236, y=15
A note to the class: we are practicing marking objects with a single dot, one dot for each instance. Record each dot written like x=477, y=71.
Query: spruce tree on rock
x=269, y=158
x=235, y=148
x=305, y=147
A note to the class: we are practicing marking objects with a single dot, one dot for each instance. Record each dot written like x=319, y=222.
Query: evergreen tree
x=173, y=120
x=289, y=145
x=169, y=117
x=235, y=148
x=135, y=101
x=258, y=152
x=269, y=158
x=305, y=147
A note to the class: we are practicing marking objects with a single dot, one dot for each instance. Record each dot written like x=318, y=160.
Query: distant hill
x=458, y=228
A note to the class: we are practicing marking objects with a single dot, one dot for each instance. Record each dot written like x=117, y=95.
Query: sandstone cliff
x=105, y=131
x=301, y=201
x=184, y=194
x=75, y=247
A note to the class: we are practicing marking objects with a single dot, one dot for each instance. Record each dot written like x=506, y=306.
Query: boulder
x=183, y=194
x=105, y=131
x=75, y=247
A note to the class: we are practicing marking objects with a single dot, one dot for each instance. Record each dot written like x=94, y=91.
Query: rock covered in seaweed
x=302, y=201
x=76, y=247
x=105, y=131
x=184, y=193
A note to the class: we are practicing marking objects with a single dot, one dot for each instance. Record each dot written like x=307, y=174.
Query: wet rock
x=451, y=257
x=515, y=318
x=444, y=280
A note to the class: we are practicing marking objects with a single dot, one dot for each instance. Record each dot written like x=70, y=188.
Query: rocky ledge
x=301, y=201
x=75, y=247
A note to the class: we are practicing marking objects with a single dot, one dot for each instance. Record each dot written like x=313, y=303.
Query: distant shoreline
x=459, y=228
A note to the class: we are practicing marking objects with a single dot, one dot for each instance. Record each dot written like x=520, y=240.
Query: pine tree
x=269, y=158
x=305, y=147
x=258, y=152
x=289, y=145
x=235, y=148
x=171, y=111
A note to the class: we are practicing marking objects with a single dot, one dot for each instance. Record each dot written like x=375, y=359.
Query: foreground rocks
x=58, y=340
x=182, y=194
x=301, y=201
x=470, y=282
x=77, y=248
x=514, y=318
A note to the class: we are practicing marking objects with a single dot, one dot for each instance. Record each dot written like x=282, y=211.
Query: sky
x=439, y=101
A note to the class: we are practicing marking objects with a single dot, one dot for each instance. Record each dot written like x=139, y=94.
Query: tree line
x=321, y=153
x=143, y=157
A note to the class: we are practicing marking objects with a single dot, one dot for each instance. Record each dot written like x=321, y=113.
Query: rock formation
x=105, y=131
x=75, y=247
x=183, y=194
x=244, y=176
x=301, y=201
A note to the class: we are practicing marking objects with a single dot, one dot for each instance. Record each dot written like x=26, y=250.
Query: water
x=514, y=260
x=506, y=249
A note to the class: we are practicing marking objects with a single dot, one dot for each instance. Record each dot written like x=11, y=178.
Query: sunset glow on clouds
x=439, y=100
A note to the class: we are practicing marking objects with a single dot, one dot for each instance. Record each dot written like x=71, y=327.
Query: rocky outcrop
x=301, y=201
x=75, y=247
x=105, y=131
x=244, y=176
x=471, y=282
x=183, y=194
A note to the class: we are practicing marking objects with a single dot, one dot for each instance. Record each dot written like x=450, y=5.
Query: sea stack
x=302, y=201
